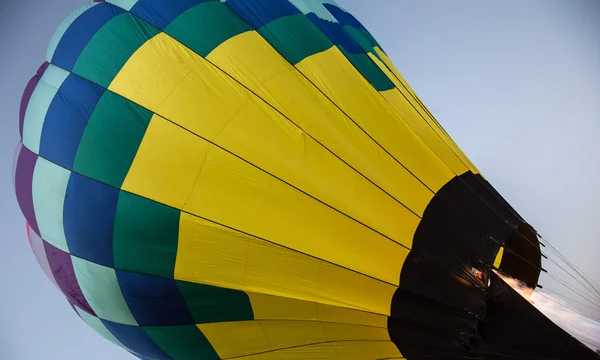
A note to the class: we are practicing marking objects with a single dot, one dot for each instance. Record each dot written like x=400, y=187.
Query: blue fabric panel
x=136, y=339
x=66, y=119
x=80, y=32
x=161, y=13
x=89, y=217
x=154, y=301
x=335, y=32
x=258, y=13
x=343, y=17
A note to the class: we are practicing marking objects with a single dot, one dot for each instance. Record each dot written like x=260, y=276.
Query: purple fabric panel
x=62, y=269
x=23, y=178
x=37, y=245
x=28, y=92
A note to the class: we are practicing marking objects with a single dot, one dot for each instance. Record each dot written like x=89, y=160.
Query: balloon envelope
x=254, y=179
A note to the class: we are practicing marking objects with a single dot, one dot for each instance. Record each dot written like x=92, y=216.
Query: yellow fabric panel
x=250, y=59
x=172, y=158
x=265, y=356
x=297, y=159
x=254, y=63
x=233, y=339
x=234, y=193
x=340, y=350
x=196, y=101
x=212, y=254
x=406, y=86
x=268, y=307
x=344, y=315
x=171, y=80
x=427, y=133
x=498, y=260
x=342, y=332
x=332, y=73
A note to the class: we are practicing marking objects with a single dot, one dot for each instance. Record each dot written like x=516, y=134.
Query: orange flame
x=519, y=286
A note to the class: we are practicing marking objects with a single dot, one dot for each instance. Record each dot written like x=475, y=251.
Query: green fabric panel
x=205, y=26
x=370, y=70
x=102, y=291
x=182, y=342
x=111, y=47
x=295, y=37
x=145, y=236
x=111, y=139
x=213, y=304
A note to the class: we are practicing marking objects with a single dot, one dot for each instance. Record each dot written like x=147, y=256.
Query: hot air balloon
x=254, y=179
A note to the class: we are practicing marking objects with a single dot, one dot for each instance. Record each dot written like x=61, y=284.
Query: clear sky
x=516, y=84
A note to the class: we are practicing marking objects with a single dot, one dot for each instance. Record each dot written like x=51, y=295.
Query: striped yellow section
x=297, y=221
x=342, y=83
x=254, y=63
x=234, y=193
x=199, y=97
x=211, y=254
x=233, y=339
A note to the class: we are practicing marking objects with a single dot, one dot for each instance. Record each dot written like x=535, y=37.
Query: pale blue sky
x=516, y=83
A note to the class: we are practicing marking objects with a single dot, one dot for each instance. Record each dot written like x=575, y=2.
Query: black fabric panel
x=439, y=306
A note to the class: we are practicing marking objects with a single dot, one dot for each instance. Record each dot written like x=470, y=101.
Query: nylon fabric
x=338, y=350
x=242, y=339
x=251, y=61
x=253, y=180
x=344, y=85
x=269, y=307
x=254, y=265
x=63, y=27
x=101, y=289
x=79, y=33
